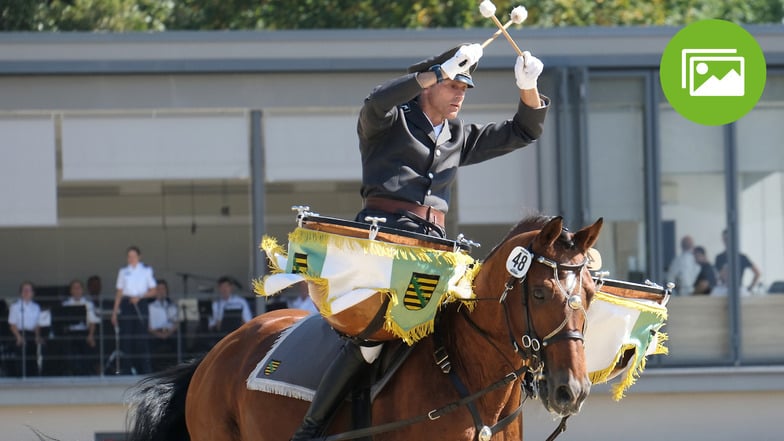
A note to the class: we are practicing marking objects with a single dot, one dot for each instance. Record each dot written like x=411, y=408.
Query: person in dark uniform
x=411, y=143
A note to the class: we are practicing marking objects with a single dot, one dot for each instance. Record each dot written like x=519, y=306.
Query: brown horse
x=533, y=323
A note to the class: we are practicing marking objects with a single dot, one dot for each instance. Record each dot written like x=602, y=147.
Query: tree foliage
x=159, y=15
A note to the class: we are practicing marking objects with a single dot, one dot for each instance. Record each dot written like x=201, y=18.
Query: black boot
x=333, y=388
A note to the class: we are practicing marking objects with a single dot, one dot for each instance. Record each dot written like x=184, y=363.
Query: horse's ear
x=587, y=237
x=549, y=233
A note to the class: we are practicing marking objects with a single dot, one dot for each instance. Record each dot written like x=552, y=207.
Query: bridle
x=530, y=346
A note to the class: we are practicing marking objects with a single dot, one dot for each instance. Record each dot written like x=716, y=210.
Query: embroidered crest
x=405, y=107
x=300, y=265
x=420, y=290
x=271, y=367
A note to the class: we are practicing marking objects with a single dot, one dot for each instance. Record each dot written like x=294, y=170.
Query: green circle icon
x=712, y=72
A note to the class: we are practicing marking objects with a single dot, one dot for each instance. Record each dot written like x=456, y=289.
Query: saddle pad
x=294, y=365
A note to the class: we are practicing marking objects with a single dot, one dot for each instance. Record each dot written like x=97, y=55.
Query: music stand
x=65, y=316
x=232, y=319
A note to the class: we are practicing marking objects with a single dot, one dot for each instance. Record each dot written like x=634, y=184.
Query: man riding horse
x=411, y=143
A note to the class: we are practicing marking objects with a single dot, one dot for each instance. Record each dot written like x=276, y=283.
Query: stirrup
x=309, y=430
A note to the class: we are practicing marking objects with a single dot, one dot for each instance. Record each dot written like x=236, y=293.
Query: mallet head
x=519, y=14
x=486, y=8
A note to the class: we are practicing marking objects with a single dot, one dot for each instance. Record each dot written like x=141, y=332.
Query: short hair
x=93, y=278
x=162, y=282
x=70, y=284
x=26, y=282
x=226, y=279
x=134, y=248
x=699, y=250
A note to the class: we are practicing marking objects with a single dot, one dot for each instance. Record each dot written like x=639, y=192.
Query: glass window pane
x=616, y=136
x=761, y=225
x=693, y=213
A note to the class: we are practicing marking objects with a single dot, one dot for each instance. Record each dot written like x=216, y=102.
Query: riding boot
x=333, y=388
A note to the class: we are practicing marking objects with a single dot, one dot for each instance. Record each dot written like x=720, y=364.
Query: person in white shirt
x=227, y=300
x=80, y=336
x=23, y=318
x=135, y=283
x=163, y=321
x=684, y=268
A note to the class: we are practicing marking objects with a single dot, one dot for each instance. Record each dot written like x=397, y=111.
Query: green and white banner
x=348, y=270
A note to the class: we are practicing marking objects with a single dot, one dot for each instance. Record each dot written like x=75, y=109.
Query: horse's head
x=547, y=307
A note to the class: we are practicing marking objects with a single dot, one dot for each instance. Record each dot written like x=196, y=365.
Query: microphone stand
x=180, y=327
x=117, y=351
x=24, y=339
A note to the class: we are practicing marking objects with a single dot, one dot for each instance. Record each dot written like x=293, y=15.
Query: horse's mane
x=532, y=222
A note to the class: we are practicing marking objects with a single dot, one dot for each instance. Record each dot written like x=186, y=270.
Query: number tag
x=518, y=262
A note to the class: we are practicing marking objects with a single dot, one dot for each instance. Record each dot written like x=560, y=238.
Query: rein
x=431, y=415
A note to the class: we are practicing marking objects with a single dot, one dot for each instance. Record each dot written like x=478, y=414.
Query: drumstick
x=518, y=16
x=487, y=9
x=502, y=29
x=497, y=33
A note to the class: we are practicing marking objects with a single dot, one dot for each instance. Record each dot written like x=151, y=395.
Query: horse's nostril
x=564, y=394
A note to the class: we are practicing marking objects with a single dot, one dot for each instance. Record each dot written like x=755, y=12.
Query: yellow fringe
x=412, y=335
x=634, y=369
x=258, y=287
x=636, y=366
x=320, y=285
x=603, y=375
x=270, y=246
x=661, y=349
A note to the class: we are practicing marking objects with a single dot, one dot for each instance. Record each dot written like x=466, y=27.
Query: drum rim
x=389, y=230
x=631, y=285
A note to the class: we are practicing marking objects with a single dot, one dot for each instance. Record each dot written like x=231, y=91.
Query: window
x=760, y=154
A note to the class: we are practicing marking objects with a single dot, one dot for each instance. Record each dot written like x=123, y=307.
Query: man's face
x=224, y=289
x=27, y=292
x=133, y=257
x=94, y=286
x=161, y=291
x=446, y=98
x=76, y=290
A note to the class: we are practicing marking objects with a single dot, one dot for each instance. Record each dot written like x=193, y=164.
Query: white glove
x=527, y=70
x=465, y=57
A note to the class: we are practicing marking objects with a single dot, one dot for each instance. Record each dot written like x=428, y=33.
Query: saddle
x=282, y=371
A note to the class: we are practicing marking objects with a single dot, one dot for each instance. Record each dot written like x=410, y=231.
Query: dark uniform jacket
x=402, y=159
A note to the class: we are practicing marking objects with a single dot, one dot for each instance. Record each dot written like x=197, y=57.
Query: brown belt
x=426, y=212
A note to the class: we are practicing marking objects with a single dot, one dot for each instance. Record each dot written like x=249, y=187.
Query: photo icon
x=713, y=72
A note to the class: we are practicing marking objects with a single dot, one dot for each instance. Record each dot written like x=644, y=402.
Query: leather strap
x=426, y=212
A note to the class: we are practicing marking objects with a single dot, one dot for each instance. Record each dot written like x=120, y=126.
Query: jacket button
x=438, y=152
x=430, y=175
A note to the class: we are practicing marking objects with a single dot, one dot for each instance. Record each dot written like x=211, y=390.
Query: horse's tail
x=158, y=405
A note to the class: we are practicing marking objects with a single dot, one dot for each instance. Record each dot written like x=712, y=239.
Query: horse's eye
x=538, y=293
